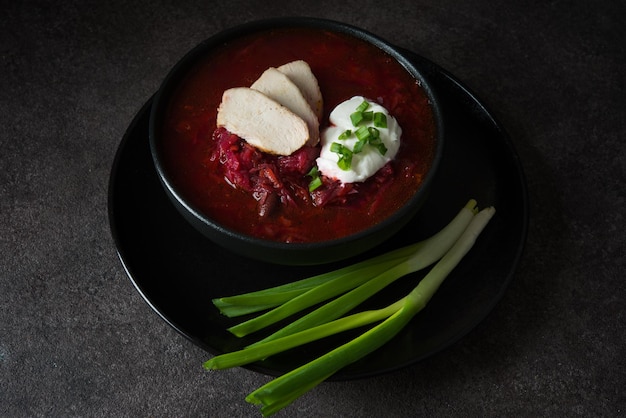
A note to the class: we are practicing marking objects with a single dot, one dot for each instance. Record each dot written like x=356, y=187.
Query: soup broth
x=344, y=67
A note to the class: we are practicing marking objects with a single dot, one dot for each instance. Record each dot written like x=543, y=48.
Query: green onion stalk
x=282, y=391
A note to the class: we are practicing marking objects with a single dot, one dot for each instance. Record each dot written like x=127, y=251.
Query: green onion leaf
x=336, y=147
x=367, y=116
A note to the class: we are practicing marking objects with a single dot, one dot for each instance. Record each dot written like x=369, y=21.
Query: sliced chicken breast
x=261, y=121
x=279, y=87
x=300, y=73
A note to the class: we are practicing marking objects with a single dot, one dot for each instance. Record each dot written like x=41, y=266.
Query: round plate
x=178, y=271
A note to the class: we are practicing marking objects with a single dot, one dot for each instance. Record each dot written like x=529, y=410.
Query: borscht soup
x=289, y=198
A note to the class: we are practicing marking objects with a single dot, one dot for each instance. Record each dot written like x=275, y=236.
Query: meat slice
x=262, y=122
x=279, y=87
x=300, y=73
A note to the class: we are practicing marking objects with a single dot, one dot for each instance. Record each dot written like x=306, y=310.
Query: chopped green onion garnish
x=358, y=147
x=315, y=183
x=356, y=118
x=374, y=133
x=345, y=155
x=380, y=120
x=345, y=162
x=363, y=134
x=363, y=106
x=360, y=114
x=345, y=134
x=316, y=180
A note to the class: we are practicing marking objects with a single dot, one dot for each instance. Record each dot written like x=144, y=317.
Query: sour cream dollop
x=367, y=162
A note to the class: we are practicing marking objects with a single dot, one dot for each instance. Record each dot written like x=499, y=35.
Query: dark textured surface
x=76, y=339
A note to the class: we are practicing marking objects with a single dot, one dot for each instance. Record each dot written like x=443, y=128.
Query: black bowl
x=281, y=252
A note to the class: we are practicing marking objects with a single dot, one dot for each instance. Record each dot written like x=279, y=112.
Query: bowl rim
x=182, y=66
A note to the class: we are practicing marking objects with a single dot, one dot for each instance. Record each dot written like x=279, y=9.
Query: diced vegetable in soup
x=271, y=183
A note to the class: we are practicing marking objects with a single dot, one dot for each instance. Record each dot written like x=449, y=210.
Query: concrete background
x=76, y=339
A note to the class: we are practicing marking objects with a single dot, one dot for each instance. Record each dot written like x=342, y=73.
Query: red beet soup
x=267, y=196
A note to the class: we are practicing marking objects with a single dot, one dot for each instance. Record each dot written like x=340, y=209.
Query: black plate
x=178, y=271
